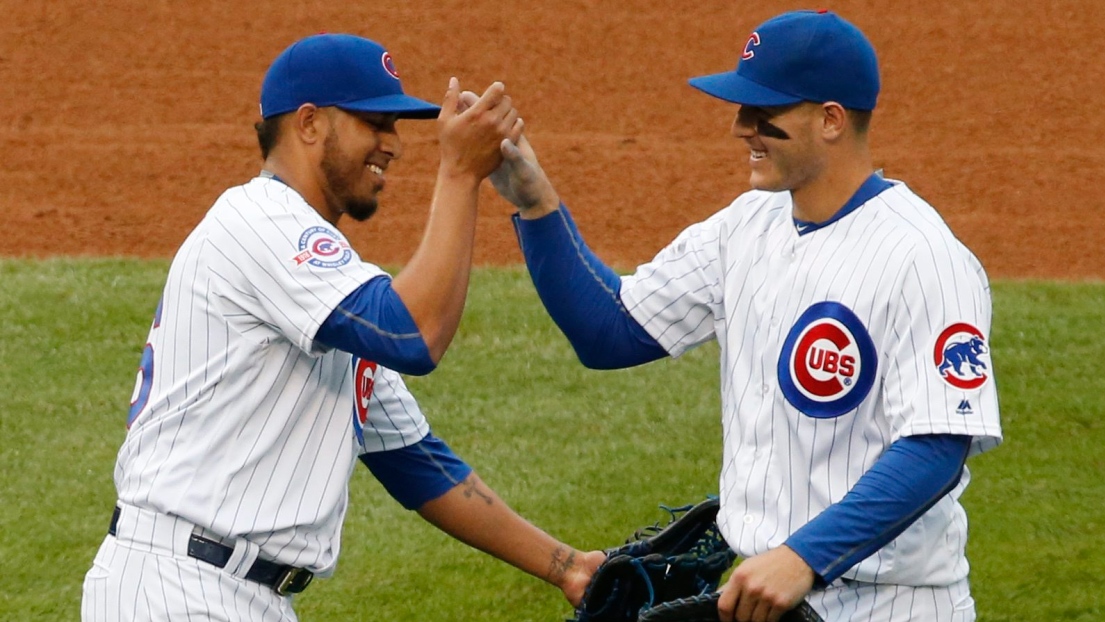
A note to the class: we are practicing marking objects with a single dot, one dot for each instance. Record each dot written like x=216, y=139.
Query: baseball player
x=853, y=329
x=274, y=361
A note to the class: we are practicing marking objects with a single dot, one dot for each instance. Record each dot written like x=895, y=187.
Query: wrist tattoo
x=563, y=559
x=472, y=489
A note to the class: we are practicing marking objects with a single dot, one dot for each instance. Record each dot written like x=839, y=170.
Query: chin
x=767, y=184
x=361, y=210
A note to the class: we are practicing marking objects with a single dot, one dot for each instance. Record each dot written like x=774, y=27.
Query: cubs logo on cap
x=753, y=41
x=828, y=362
x=389, y=65
x=961, y=356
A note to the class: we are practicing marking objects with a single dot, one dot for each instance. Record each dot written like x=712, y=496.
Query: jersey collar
x=272, y=176
x=870, y=188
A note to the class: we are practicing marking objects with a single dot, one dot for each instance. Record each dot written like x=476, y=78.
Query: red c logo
x=364, y=379
x=832, y=363
x=389, y=65
x=753, y=41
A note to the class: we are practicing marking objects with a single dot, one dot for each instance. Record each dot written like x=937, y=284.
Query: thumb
x=449, y=104
x=510, y=151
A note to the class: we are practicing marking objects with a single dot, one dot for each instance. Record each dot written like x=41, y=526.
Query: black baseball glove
x=684, y=558
x=704, y=609
x=667, y=573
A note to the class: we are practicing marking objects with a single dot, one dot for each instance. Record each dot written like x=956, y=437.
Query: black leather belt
x=282, y=579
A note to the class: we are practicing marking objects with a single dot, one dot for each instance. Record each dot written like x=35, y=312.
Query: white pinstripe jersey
x=241, y=423
x=834, y=344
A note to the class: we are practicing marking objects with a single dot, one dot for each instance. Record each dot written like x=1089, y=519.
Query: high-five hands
x=471, y=129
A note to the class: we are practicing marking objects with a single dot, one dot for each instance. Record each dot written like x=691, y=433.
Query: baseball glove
x=667, y=574
x=684, y=558
x=704, y=609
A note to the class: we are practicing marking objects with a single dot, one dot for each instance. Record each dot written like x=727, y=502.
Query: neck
x=823, y=196
x=302, y=179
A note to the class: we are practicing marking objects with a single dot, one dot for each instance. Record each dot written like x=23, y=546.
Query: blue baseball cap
x=801, y=56
x=346, y=71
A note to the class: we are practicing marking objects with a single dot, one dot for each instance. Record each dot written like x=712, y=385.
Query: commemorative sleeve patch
x=322, y=248
x=961, y=356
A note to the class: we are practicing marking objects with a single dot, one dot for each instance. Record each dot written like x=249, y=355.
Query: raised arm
x=434, y=284
x=580, y=292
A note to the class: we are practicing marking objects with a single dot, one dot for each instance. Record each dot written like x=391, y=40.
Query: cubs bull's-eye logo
x=364, y=381
x=753, y=41
x=389, y=65
x=322, y=248
x=961, y=356
x=828, y=362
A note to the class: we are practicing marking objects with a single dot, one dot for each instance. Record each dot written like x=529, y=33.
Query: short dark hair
x=268, y=133
x=861, y=120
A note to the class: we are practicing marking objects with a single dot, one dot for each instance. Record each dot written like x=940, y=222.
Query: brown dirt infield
x=122, y=120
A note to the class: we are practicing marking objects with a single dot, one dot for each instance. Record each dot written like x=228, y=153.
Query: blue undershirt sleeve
x=374, y=324
x=913, y=474
x=581, y=294
x=417, y=473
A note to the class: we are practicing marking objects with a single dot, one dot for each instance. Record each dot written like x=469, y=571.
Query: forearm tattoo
x=563, y=559
x=472, y=489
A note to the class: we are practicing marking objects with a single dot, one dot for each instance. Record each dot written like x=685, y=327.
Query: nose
x=744, y=125
x=391, y=144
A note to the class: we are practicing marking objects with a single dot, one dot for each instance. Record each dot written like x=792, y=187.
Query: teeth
x=757, y=155
x=375, y=169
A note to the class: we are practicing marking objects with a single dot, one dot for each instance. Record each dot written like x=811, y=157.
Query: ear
x=834, y=121
x=310, y=124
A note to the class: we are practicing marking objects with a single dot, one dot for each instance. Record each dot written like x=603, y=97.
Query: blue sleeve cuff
x=417, y=473
x=374, y=324
x=581, y=294
x=907, y=480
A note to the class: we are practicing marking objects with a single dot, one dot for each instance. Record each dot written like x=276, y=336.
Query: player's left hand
x=521, y=180
x=579, y=575
x=764, y=587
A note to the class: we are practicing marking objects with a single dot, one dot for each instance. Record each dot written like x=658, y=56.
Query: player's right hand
x=470, y=132
x=764, y=587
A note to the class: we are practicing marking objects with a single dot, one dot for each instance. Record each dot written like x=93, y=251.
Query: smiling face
x=787, y=152
x=357, y=149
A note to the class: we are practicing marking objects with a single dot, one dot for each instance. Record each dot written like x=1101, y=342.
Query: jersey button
x=765, y=389
x=748, y=518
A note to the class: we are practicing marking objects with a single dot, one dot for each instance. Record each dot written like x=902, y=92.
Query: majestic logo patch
x=753, y=41
x=389, y=65
x=828, y=362
x=364, y=381
x=961, y=356
x=321, y=248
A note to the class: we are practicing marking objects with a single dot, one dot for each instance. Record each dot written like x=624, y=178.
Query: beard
x=342, y=174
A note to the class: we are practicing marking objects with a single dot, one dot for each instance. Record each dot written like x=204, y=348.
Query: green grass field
x=586, y=455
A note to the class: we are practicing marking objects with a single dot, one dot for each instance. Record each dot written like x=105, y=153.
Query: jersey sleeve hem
x=667, y=340
x=983, y=438
x=330, y=302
